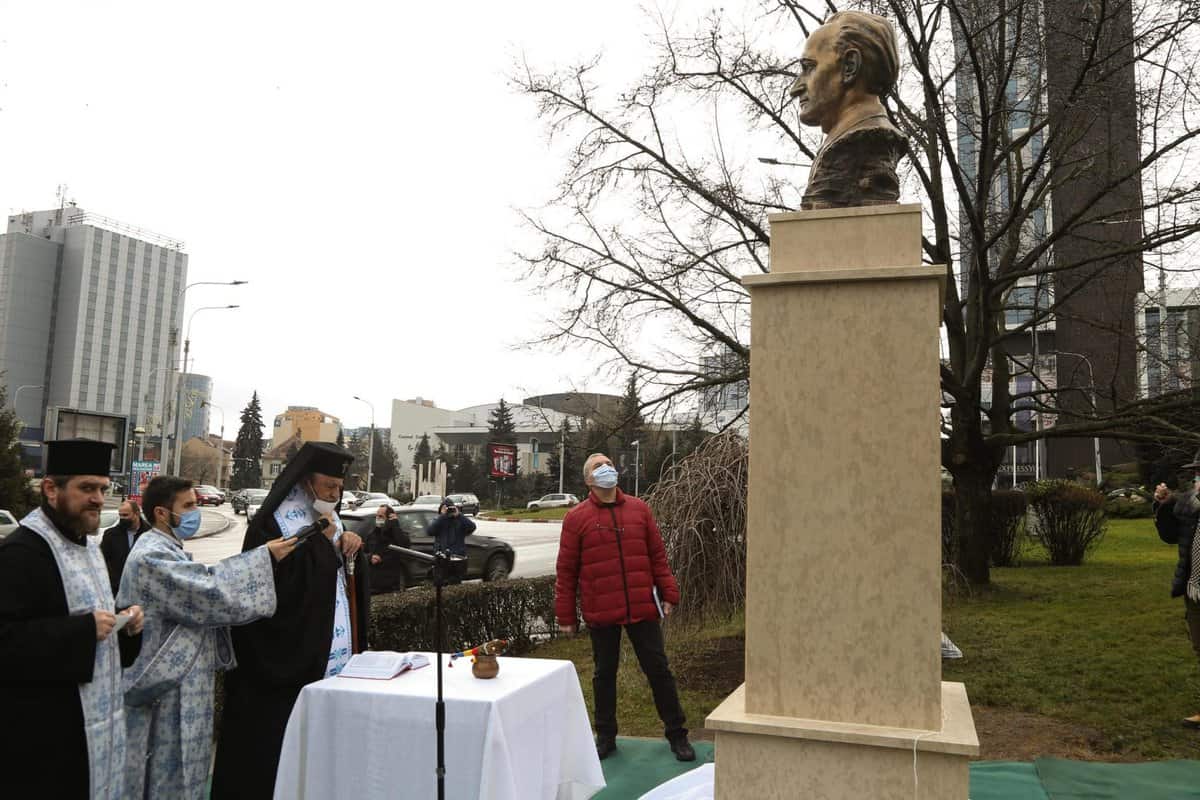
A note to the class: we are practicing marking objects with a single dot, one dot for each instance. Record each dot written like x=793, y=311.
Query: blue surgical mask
x=604, y=476
x=189, y=524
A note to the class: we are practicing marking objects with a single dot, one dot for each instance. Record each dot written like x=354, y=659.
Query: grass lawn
x=1102, y=645
x=542, y=513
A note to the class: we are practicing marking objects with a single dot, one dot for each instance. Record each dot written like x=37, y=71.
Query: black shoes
x=605, y=746
x=683, y=750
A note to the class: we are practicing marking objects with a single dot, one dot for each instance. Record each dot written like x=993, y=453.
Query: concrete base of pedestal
x=764, y=757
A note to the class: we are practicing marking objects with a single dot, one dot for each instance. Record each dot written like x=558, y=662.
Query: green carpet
x=641, y=764
x=1154, y=780
x=1005, y=780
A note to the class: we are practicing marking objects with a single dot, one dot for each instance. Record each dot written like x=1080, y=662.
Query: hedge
x=473, y=613
x=1006, y=527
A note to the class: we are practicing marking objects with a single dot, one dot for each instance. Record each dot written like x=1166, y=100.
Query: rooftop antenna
x=62, y=202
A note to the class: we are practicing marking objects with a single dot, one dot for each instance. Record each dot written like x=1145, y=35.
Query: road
x=536, y=543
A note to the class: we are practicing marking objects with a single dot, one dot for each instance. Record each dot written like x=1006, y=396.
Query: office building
x=89, y=311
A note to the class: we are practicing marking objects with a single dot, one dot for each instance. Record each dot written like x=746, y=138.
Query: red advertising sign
x=503, y=460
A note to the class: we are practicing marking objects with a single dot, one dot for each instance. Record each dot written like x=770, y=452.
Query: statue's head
x=853, y=55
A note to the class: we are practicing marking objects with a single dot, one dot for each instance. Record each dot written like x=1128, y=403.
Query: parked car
x=8, y=523
x=350, y=499
x=255, y=504
x=209, y=496
x=553, y=501
x=488, y=558
x=426, y=502
x=108, y=518
x=467, y=503
x=374, y=503
x=243, y=497
x=1131, y=494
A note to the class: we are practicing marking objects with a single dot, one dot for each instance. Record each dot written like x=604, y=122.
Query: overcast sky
x=359, y=163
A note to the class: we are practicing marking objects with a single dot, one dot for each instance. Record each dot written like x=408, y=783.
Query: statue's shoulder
x=870, y=133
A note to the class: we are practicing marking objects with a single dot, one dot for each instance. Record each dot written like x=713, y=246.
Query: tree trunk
x=972, y=518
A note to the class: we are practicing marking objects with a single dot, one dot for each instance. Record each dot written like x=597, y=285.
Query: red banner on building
x=503, y=460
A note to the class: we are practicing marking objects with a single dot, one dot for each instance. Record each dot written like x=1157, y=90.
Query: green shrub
x=1068, y=520
x=516, y=610
x=1124, y=508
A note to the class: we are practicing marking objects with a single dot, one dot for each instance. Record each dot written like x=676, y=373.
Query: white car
x=8, y=523
x=553, y=501
x=426, y=502
x=375, y=502
x=252, y=509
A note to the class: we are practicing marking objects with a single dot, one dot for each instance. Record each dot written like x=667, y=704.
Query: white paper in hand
x=122, y=621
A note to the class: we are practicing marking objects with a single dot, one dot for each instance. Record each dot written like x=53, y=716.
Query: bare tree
x=1050, y=144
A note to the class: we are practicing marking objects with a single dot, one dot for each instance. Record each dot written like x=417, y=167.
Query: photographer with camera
x=450, y=531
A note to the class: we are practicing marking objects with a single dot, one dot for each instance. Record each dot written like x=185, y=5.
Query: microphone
x=415, y=555
x=311, y=530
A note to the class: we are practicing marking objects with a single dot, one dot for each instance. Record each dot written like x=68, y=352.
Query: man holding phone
x=450, y=530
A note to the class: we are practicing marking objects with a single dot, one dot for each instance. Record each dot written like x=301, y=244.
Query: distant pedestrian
x=389, y=570
x=611, y=553
x=118, y=540
x=1176, y=515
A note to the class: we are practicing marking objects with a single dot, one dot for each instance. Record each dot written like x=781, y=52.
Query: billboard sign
x=502, y=460
x=143, y=473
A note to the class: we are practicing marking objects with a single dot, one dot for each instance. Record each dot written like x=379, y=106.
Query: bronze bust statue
x=848, y=64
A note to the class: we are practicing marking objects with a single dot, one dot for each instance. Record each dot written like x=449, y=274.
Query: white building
x=89, y=316
x=537, y=431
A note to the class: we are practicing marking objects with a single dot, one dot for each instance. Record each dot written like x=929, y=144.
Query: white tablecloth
x=696, y=784
x=519, y=736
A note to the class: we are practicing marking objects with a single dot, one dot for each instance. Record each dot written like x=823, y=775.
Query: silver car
x=8, y=523
x=553, y=501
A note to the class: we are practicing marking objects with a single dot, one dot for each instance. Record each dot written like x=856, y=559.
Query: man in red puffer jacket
x=612, y=554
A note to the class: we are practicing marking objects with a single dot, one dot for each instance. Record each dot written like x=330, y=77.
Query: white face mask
x=324, y=506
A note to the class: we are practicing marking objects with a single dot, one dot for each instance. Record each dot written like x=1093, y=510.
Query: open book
x=382, y=665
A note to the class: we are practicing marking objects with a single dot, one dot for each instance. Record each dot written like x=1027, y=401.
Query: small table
x=519, y=736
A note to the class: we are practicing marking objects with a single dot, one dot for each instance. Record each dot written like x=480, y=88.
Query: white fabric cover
x=520, y=736
x=696, y=784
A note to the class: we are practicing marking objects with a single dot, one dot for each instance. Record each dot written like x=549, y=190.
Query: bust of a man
x=848, y=64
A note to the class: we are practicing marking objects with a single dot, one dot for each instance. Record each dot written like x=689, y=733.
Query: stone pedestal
x=843, y=609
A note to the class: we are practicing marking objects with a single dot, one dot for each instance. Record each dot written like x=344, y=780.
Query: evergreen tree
x=248, y=449
x=501, y=428
x=464, y=472
x=15, y=494
x=383, y=468
x=633, y=427
x=341, y=440
x=422, y=456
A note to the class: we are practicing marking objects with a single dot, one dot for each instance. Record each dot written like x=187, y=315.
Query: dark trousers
x=1192, y=615
x=647, y=640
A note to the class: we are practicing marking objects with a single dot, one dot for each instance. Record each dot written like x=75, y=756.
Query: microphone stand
x=440, y=562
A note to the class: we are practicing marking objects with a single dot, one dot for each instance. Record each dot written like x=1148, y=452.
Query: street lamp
x=139, y=436
x=179, y=304
x=637, y=455
x=371, y=445
x=1092, y=378
x=179, y=387
x=775, y=162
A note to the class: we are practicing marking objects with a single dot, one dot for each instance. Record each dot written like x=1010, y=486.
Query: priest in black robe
x=63, y=730
x=309, y=638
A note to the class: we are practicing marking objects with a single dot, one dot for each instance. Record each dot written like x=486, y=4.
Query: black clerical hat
x=322, y=457
x=78, y=457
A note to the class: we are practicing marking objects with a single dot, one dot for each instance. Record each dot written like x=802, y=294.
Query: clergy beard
x=71, y=527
